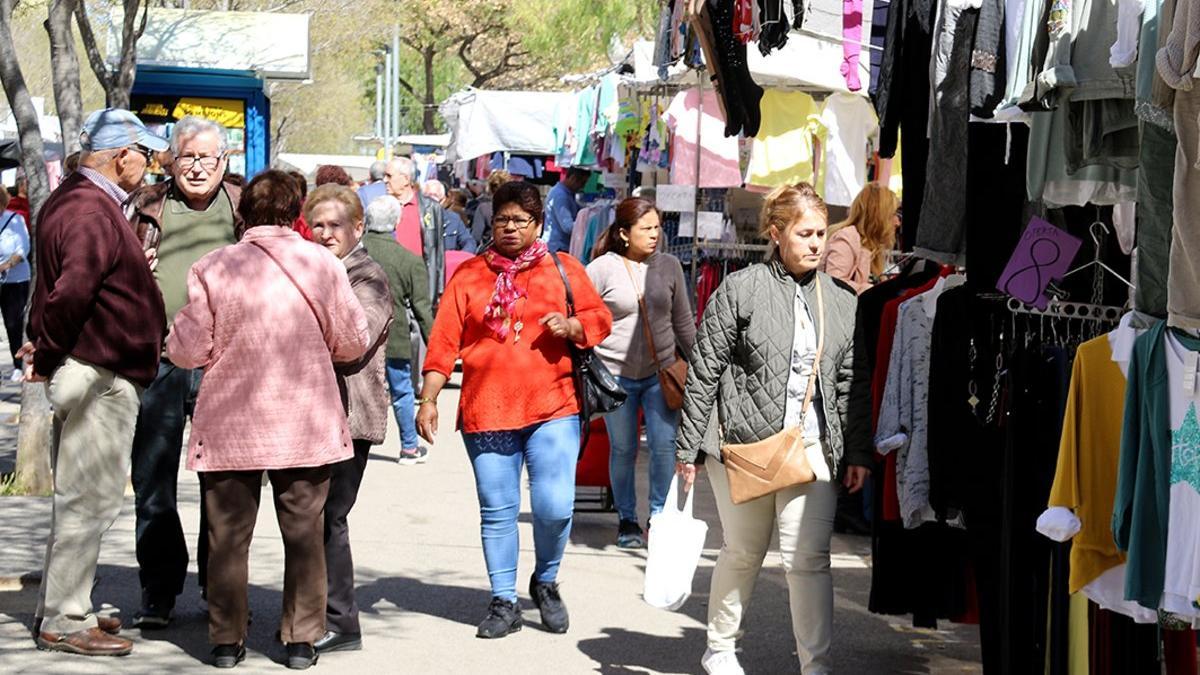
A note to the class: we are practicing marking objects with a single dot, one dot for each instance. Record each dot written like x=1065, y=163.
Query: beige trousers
x=95, y=411
x=804, y=518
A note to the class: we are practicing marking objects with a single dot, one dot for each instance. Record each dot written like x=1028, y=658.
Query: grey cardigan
x=625, y=351
x=743, y=357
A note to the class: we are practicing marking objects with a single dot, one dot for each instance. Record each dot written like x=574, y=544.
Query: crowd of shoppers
x=227, y=274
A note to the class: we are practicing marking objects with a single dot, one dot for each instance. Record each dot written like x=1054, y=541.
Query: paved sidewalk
x=422, y=587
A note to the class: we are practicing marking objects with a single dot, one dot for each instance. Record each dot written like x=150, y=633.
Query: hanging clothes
x=783, y=152
x=718, y=153
x=850, y=127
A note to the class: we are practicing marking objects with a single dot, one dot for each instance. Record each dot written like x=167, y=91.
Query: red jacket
x=95, y=297
x=511, y=385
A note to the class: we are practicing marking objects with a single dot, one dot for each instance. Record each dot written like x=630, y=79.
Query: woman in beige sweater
x=631, y=268
x=858, y=246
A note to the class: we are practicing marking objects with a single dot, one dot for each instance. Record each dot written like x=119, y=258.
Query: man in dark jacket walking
x=410, y=301
x=96, y=327
x=182, y=219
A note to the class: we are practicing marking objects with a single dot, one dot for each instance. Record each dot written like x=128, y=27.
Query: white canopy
x=355, y=165
x=482, y=122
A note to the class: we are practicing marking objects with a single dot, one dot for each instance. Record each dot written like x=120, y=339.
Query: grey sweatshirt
x=626, y=352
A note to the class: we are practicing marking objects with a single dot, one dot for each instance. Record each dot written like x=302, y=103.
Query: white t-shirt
x=851, y=126
x=719, y=166
x=1181, y=585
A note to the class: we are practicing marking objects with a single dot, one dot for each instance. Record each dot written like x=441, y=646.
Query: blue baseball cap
x=117, y=128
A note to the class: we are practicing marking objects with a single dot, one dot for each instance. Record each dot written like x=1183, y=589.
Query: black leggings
x=12, y=304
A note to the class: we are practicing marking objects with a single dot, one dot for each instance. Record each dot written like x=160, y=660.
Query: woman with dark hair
x=647, y=295
x=263, y=408
x=504, y=313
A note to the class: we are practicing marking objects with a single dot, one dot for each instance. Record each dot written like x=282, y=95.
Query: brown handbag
x=777, y=462
x=673, y=377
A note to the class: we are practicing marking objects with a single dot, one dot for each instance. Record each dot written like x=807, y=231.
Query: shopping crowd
x=156, y=304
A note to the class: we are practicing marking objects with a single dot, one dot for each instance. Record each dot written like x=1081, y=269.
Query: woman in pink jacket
x=858, y=246
x=266, y=319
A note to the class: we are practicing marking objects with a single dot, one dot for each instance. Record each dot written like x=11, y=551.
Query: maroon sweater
x=95, y=297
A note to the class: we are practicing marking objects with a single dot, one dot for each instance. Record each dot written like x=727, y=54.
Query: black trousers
x=157, y=447
x=341, y=613
x=12, y=305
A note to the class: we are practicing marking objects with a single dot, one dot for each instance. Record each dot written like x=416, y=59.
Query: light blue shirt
x=14, y=240
x=561, y=209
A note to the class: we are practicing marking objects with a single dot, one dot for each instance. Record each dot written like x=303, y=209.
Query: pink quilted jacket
x=269, y=398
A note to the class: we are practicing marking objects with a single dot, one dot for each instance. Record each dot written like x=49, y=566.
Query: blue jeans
x=399, y=377
x=661, y=426
x=551, y=450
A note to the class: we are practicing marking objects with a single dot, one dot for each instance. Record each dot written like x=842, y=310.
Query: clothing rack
x=1070, y=310
x=730, y=246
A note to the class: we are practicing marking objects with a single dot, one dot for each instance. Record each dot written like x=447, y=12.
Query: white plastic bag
x=676, y=542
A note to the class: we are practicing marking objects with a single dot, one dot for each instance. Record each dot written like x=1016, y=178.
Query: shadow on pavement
x=623, y=651
x=459, y=604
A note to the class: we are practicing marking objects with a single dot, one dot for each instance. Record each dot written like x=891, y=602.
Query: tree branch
x=95, y=59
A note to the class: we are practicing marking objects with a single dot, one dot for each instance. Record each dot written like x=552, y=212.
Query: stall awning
x=482, y=122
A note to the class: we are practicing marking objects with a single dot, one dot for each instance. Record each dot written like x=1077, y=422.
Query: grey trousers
x=1154, y=219
x=1183, y=278
x=95, y=411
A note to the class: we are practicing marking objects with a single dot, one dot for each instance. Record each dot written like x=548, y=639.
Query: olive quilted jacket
x=742, y=359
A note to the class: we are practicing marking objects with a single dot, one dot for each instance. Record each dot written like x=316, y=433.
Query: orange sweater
x=511, y=385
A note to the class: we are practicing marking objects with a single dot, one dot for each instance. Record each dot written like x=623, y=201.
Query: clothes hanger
x=1096, y=261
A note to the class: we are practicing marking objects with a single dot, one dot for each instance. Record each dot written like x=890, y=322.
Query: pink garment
x=498, y=314
x=846, y=259
x=852, y=19
x=269, y=399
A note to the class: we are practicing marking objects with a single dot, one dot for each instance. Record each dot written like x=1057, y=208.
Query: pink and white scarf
x=498, y=315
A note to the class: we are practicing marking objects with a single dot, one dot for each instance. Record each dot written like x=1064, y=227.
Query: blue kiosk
x=236, y=98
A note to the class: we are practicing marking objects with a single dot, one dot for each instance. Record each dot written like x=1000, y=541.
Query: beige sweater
x=626, y=352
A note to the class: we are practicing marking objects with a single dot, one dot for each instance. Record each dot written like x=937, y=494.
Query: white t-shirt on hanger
x=851, y=126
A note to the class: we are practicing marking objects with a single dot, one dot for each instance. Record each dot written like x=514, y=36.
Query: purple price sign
x=1044, y=253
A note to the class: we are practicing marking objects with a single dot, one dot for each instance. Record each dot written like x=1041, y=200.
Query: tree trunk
x=64, y=68
x=33, y=440
x=429, y=112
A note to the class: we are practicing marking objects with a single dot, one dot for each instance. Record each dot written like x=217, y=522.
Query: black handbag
x=597, y=389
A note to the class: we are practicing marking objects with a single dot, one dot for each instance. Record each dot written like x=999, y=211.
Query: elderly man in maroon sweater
x=96, y=328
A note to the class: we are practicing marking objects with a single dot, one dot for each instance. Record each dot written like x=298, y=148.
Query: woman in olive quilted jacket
x=754, y=360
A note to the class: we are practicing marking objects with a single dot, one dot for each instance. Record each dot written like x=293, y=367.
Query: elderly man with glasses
x=183, y=219
x=96, y=328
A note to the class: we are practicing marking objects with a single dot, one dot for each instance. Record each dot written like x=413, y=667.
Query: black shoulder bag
x=598, y=391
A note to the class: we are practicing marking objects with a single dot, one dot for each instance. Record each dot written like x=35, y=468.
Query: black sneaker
x=301, y=655
x=156, y=613
x=228, y=656
x=548, y=601
x=334, y=641
x=629, y=535
x=504, y=617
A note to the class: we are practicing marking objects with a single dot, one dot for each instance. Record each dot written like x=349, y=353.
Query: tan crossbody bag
x=673, y=377
x=777, y=462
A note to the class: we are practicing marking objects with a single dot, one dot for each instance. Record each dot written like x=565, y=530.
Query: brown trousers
x=231, y=501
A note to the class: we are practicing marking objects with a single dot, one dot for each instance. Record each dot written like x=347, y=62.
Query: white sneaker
x=721, y=663
x=16, y=376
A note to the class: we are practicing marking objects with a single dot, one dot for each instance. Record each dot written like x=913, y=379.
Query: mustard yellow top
x=1086, y=478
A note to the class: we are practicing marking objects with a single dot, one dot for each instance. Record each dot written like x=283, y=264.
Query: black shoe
x=228, y=656
x=504, y=617
x=629, y=535
x=155, y=613
x=548, y=601
x=301, y=656
x=338, y=642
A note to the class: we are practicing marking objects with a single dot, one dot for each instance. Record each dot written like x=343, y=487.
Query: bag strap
x=566, y=283
x=812, y=377
x=645, y=314
x=311, y=306
x=7, y=222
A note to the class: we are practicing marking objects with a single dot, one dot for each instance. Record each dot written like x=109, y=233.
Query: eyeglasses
x=519, y=223
x=186, y=162
x=144, y=152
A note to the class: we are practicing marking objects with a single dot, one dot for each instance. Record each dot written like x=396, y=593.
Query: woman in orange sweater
x=504, y=313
